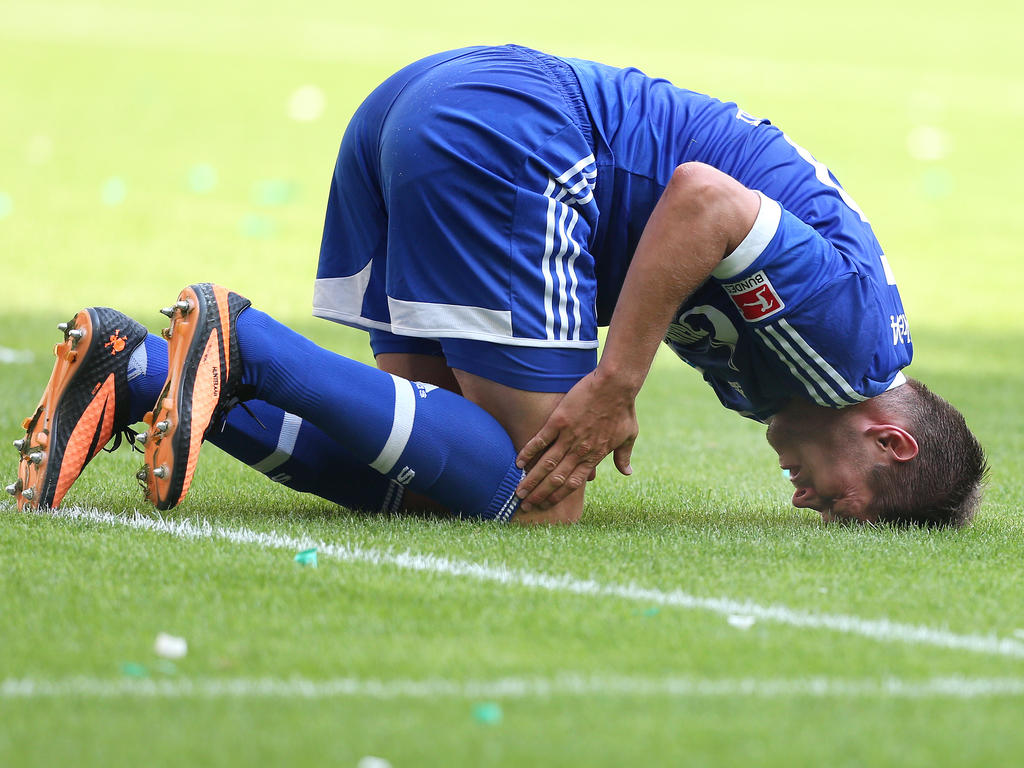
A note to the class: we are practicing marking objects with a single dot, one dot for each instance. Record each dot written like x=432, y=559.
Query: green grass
x=143, y=93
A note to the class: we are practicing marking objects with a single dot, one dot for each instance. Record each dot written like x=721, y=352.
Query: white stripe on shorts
x=549, y=247
x=569, y=184
x=332, y=292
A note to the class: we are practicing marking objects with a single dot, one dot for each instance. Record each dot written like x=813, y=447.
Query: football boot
x=86, y=403
x=203, y=380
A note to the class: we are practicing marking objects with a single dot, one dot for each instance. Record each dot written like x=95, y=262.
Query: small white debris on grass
x=306, y=104
x=741, y=621
x=170, y=647
x=928, y=143
x=373, y=762
x=40, y=149
x=202, y=178
x=113, y=191
x=16, y=356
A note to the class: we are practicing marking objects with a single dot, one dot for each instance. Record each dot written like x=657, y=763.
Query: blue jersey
x=487, y=202
x=807, y=306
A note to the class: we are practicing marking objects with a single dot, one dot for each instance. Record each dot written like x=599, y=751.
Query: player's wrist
x=622, y=380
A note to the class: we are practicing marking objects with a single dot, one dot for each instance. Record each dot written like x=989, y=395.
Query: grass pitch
x=692, y=616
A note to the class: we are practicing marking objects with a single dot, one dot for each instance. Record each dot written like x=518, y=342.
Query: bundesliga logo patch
x=755, y=297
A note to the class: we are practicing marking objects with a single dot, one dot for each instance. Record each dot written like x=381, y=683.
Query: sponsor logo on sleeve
x=755, y=297
x=900, y=329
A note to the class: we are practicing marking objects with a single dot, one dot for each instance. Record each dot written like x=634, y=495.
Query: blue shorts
x=461, y=216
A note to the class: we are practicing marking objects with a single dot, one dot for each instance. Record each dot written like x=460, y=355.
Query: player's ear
x=894, y=441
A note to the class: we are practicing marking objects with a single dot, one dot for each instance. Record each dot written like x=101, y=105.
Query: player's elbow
x=698, y=189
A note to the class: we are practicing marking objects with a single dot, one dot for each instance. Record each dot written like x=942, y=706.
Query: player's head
x=905, y=456
x=943, y=484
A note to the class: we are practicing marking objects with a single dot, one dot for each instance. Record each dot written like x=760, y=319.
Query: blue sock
x=291, y=451
x=280, y=445
x=147, y=372
x=423, y=437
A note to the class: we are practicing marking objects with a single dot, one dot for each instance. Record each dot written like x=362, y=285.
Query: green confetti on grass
x=202, y=178
x=113, y=192
x=274, y=192
x=307, y=557
x=257, y=227
x=487, y=712
x=937, y=184
x=133, y=669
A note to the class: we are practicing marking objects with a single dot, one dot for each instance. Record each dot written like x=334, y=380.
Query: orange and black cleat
x=84, y=405
x=203, y=377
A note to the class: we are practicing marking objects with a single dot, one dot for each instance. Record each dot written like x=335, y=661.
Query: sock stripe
x=138, y=363
x=401, y=427
x=285, y=445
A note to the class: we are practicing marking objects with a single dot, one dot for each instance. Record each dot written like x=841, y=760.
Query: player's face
x=826, y=459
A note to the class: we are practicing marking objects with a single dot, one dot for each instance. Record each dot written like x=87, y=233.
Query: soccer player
x=490, y=208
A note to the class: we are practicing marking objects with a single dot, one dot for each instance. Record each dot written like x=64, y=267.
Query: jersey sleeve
x=830, y=324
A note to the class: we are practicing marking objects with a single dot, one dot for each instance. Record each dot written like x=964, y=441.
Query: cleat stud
x=141, y=474
x=28, y=494
x=184, y=305
x=166, y=333
x=169, y=311
x=142, y=437
x=163, y=426
x=19, y=444
x=36, y=457
x=13, y=489
x=71, y=356
x=76, y=333
x=63, y=327
x=160, y=472
x=42, y=438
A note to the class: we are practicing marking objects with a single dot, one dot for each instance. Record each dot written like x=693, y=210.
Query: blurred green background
x=145, y=145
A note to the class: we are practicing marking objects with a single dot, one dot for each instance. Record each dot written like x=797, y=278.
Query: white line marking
x=509, y=688
x=876, y=629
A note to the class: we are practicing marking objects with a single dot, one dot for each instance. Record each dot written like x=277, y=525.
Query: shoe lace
x=237, y=399
x=125, y=434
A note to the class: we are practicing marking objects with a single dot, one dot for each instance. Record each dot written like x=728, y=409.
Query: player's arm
x=702, y=216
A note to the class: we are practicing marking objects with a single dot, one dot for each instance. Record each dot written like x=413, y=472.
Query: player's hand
x=595, y=418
